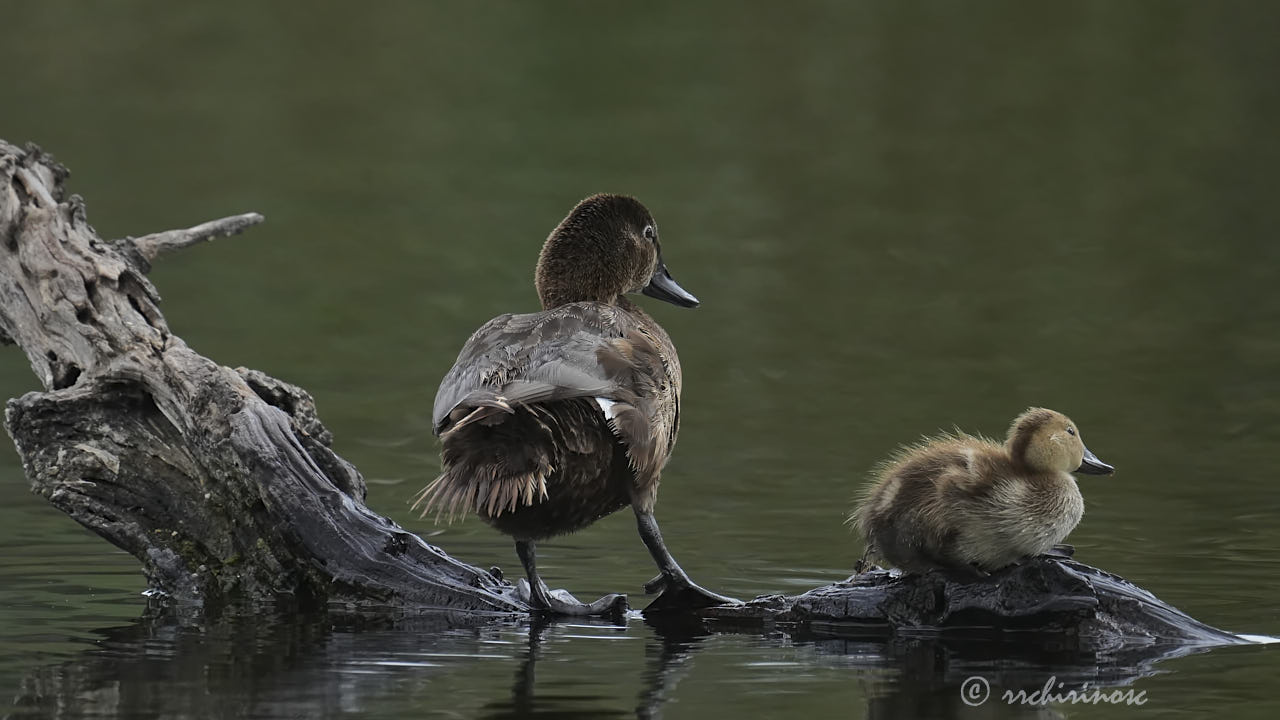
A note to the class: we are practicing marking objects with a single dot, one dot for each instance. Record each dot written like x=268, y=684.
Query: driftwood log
x=222, y=482
x=1091, y=610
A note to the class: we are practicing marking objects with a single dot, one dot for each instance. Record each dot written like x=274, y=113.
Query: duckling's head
x=1047, y=441
x=605, y=248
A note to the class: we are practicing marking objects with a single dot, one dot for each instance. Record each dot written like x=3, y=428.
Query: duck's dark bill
x=665, y=287
x=1093, y=466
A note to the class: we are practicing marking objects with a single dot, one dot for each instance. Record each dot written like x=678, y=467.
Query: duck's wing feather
x=581, y=350
x=531, y=358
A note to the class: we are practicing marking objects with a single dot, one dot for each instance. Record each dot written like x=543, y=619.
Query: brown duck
x=968, y=504
x=552, y=420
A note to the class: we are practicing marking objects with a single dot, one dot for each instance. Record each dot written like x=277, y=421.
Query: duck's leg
x=678, y=591
x=560, y=601
x=864, y=563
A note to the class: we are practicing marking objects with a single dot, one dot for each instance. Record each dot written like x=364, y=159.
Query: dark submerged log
x=223, y=484
x=1087, y=608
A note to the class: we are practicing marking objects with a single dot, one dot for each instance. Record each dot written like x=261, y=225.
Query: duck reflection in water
x=668, y=654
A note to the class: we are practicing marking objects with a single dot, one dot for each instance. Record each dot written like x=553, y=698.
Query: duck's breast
x=1028, y=515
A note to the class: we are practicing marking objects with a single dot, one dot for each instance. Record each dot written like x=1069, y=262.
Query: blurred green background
x=899, y=217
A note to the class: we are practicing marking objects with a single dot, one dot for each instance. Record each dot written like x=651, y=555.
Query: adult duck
x=552, y=420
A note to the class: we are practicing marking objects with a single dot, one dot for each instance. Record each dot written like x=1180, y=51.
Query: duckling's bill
x=1091, y=465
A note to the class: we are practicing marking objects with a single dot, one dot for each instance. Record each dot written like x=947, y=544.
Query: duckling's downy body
x=552, y=420
x=966, y=503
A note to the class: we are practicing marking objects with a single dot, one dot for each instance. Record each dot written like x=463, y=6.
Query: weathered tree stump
x=223, y=484
x=220, y=481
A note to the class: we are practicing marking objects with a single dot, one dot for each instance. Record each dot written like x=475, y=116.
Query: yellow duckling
x=969, y=504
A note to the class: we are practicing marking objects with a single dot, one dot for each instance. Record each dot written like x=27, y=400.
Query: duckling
x=973, y=506
x=551, y=420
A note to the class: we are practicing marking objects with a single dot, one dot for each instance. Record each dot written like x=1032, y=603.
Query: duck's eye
x=1071, y=431
x=650, y=233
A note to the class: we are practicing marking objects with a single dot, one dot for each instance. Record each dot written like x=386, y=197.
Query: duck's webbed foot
x=561, y=602
x=1061, y=551
x=676, y=590
x=536, y=593
x=962, y=572
x=681, y=593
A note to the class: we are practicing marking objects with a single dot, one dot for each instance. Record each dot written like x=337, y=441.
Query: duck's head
x=1047, y=441
x=605, y=248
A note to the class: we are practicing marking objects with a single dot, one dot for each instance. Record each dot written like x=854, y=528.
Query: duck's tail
x=492, y=465
x=453, y=497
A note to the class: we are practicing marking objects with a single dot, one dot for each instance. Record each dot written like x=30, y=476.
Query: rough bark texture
x=1093, y=610
x=220, y=481
x=223, y=484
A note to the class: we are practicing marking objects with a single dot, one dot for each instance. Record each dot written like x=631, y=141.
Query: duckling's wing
x=530, y=358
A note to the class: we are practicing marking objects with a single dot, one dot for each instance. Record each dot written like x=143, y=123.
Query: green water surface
x=899, y=217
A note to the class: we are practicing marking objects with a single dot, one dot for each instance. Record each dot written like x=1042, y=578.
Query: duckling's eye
x=1071, y=431
x=650, y=233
